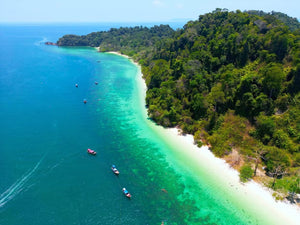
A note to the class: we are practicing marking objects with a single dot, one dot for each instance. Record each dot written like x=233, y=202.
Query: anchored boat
x=126, y=193
x=115, y=170
x=92, y=152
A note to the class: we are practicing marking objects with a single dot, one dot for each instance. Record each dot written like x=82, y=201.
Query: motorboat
x=126, y=193
x=114, y=169
x=92, y=152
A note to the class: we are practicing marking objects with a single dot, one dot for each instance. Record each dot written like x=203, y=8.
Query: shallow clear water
x=46, y=175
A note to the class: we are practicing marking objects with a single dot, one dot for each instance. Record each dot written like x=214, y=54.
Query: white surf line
x=41, y=41
x=17, y=187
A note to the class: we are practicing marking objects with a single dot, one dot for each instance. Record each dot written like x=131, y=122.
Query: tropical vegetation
x=232, y=79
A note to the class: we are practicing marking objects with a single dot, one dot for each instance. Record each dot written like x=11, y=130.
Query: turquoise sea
x=46, y=175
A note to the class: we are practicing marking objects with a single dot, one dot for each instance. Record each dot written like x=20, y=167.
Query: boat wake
x=41, y=41
x=18, y=186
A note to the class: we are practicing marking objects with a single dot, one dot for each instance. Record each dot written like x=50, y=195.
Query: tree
x=265, y=128
x=259, y=153
x=216, y=96
x=280, y=44
x=277, y=171
x=247, y=105
x=282, y=102
x=198, y=105
x=246, y=173
x=273, y=79
x=225, y=61
x=158, y=71
x=281, y=139
x=277, y=162
x=295, y=74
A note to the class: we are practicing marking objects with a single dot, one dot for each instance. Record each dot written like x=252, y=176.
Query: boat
x=114, y=169
x=126, y=193
x=92, y=152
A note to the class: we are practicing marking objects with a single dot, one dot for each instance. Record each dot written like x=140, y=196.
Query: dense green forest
x=232, y=79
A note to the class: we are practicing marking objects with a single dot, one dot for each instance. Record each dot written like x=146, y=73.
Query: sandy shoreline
x=258, y=198
x=125, y=56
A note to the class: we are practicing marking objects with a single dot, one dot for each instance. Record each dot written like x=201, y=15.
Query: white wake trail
x=18, y=186
x=41, y=41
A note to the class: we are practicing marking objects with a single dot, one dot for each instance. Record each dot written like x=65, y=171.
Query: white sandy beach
x=125, y=56
x=259, y=199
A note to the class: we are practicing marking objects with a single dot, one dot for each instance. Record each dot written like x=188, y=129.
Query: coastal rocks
x=50, y=43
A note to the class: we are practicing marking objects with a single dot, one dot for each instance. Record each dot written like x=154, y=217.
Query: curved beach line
x=259, y=199
x=254, y=198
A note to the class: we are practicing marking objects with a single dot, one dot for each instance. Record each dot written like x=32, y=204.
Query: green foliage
x=232, y=79
x=216, y=97
x=265, y=128
x=281, y=139
x=288, y=184
x=230, y=133
x=294, y=75
x=296, y=162
x=198, y=106
x=277, y=158
x=127, y=40
x=273, y=80
x=246, y=172
x=283, y=102
x=292, y=23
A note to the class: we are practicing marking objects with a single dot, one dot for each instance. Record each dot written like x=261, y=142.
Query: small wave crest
x=41, y=41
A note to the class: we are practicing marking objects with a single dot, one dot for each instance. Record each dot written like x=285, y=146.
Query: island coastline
x=253, y=192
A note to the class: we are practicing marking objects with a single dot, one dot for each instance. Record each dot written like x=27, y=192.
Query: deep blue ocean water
x=46, y=175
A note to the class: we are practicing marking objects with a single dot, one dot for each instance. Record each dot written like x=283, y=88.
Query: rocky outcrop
x=50, y=43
